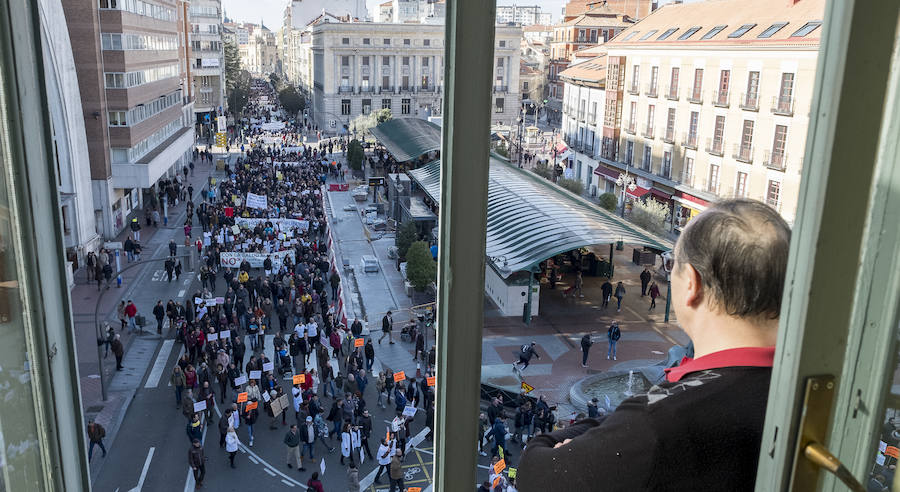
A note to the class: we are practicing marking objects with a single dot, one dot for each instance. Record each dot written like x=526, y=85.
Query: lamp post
x=626, y=182
x=521, y=122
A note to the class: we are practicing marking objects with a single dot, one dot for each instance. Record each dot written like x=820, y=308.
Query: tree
x=383, y=115
x=406, y=235
x=573, y=185
x=365, y=122
x=355, y=155
x=274, y=79
x=232, y=64
x=608, y=201
x=543, y=170
x=421, y=269
x=291, y=100
x=650, y=215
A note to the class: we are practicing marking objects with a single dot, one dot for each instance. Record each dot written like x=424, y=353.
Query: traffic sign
x=527, y=387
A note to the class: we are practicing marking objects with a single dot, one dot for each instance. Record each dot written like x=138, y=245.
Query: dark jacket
x=195, y=456
x=292, y=440
x=586, y=341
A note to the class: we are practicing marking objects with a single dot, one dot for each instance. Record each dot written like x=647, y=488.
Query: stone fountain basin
x=613, y=384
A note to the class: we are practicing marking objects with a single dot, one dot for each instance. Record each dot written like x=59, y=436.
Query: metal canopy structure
x=408, y=138
x=530, y=219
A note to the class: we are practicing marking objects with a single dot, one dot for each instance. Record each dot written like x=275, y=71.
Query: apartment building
x=710, y=100
x=360, y=67
x=304, y=12
x=636, y=9
x=523, y=15
x=582, y=122
x=128, y=59
x=260, y=54
x=208, y=59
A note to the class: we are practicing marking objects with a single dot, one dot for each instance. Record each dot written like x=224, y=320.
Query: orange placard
x=432, y=380
x=399, y=376
x=387, y=436
x=892, y=451
x=299, y=378
x=496, y=481
x=251, y=405
x=414, y=489
x=359, y=342
x=242, y=397
x=499, y=466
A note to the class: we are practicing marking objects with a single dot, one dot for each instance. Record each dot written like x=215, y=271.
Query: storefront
x=686, y=208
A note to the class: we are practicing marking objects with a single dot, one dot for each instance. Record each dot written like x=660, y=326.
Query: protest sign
x=257, y=201
x=269, y=366
x=298, y=379
x=255, y=374
x=242, y=397
x=200, y=406
x=399, y=376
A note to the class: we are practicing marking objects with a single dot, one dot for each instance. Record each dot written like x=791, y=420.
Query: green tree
x=355, y=155
x=291, y=100
x=406, y=235
x=573, y=185
x=650, y=215
x=608, y=201
x=232, y=64
x=421, y=269
x=383, y=115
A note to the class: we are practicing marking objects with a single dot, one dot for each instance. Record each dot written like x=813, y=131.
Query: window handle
x=820, y=456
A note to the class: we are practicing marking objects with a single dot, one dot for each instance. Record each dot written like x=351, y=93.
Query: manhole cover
x=94, y=409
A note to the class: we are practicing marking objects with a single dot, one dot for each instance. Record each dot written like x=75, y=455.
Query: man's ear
x=693, y=285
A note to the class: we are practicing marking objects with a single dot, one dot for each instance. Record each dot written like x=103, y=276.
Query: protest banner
x=409, y=411
x=257, y=201
x=432, y=380
x=256, y=260
x=280, y=223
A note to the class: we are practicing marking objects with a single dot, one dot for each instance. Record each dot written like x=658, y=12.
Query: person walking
x=586, y=343
x=197, y=462
x=396, y=472
x=606, y=291
x=620, y=293
x=118, y=350
x=292, y=441
x=130, y=314
x=654, y=293
x=136, y=229
x=613, y=335
x=385, y=453
x=314, y=483
x=231, y=443
x=346, y=443
x=95, y=433
x=576, y=289
x=645, y=281
x=194, y=428
x=159, y=312
x=387, y=326
x=525, y=354
x=178, y=381
x=224, y=425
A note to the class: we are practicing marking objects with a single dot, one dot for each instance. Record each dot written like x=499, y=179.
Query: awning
x=565, y=155
x=560, y=148
x=605, y=172
x=408, y=138
x=688, y=203
x=531, y=219
x=660, y=194
x=637, y=192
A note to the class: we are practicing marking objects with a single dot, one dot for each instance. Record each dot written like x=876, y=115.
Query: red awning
x=560, y=148
x=607, y=173
x=691, y=198
x=660, y=194
x=638, y=192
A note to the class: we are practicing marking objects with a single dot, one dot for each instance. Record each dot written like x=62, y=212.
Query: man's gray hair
x=740, y=249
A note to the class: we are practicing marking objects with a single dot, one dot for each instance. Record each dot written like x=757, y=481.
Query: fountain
x=610, y=388
x=629, y=385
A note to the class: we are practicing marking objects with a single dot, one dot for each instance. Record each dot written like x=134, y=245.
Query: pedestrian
x=231, y=443
x=197, y=462
x=292, y=441
x=498, y=433
x=194, y=428
x=576, y=289
x=118, y=350
x=387, y=325
x=159, y=312
x=224, y=425
x=314, y=483
x=110, y=336
x=525, y=354
x=620, y=293
x=396, y=472
x=645, y=281
x=120, y=312
x=586, y=343
x=385, y=455
x=593, y=408
x=136, y=229
x=178, y=381
x=654, y=293
x=95, y=433
x=250, y=416
x=606, y=292
x=353, y=478
x=613, y=335
x=130, y=314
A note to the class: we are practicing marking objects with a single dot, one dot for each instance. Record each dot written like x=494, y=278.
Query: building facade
x=710, y=100
x=523, y=15
x=128, y=63
x=582, y=121
x=260, y=54
x=636, y=9
x=360, y=67
x=208, y=60
x=303, y=12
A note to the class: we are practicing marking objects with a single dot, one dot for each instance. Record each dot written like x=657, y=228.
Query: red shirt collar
x=736, y=357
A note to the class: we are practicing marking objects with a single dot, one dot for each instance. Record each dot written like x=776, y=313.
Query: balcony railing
x=581, y=116
x=633, y=89
x=406, y=88
x=775, y=160
x=689, y=140
x=749, y=102
x=500, y=88
x=714, y=146
x=672, y=93
x=369, y=88
x=651, y=90
x=695, y=97
x=426, y=88
x=721, y=99
x=629, y=127
x=669, y=136
x=648, y=132
x=783, y=106
x=389, y=89
x=345, y=89
x=592, y=118
x=743, y=153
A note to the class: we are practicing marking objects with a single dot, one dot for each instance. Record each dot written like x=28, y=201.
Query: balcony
x=672, y=93
x=426, y=88
x=651, y=90
x=581, y=116
x=721, y=99
x=500, y=88
x=634, y=90
x=345, y=89
x=749, y=102
x=743, y=153
x=669, y=136
x=648, y=132
x=775, y=160
x=404, y=88
x=592, y=119
x=629, y=127
x=783, y=106
x=389, y=89
x=696, y=97
x=714, y=146
x=366, y=88
x=689, y=140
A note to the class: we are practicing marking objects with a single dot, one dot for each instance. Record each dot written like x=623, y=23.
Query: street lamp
x=626, y=182
x=521, y=121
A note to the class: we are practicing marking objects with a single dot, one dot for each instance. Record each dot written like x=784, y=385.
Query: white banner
x=257, y=201
x=233, y=260
x=282, y=224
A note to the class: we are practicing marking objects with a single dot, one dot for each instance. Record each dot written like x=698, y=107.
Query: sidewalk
x=139, y=348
